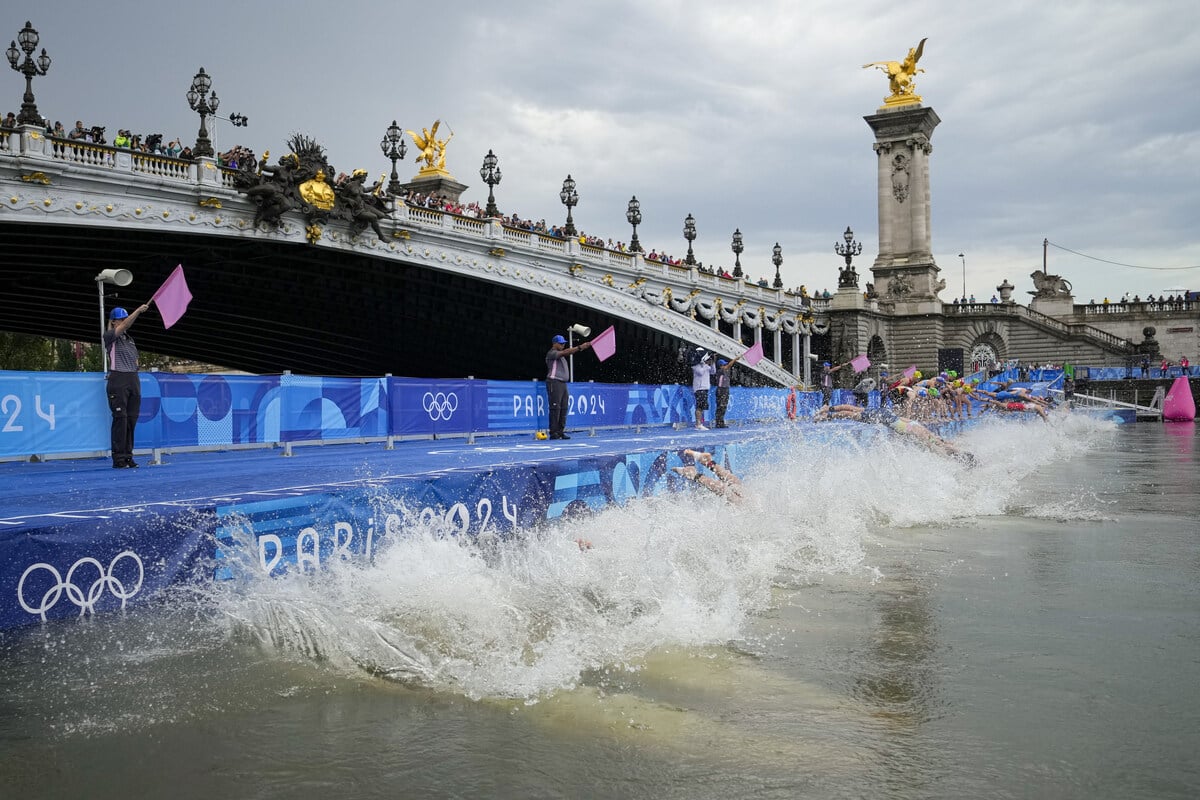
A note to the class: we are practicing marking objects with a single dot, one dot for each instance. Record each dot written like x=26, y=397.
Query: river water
x=876, y=621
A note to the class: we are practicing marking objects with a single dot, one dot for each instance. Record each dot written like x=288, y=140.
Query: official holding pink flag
x=557, y=376
x=122, y=385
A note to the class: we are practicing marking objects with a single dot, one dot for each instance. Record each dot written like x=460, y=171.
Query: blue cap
x=721, y=362
x=558, y=339
x=827, y=364
x=118, y=313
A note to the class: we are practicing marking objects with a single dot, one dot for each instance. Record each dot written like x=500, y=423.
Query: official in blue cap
x=724, y=368
x=123, y=387
x=558, y=373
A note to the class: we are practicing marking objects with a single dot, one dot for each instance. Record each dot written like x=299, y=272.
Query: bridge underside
x=266, y=307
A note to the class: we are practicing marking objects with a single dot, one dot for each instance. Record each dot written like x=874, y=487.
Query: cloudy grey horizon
x=1067, y=122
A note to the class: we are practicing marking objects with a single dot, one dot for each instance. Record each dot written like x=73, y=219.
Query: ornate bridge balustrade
x=68, y=181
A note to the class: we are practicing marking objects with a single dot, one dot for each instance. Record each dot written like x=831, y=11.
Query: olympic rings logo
x=105, y=579
x=440, y=406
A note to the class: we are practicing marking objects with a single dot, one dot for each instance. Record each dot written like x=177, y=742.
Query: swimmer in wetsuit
x=887, y=417
x=725, y=483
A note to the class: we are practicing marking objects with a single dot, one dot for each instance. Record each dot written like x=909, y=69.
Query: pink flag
x=605, y=344
x=753, y=355
x=172, y=297
x=861, y=364
x=908, y=373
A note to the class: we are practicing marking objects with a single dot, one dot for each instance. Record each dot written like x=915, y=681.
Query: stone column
x=905, y=271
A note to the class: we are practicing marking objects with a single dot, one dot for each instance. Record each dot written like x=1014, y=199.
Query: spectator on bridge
x=997, y=300
x=122, y=386
x=78, y=132
x=972, y=300
x=122, y=139
x=9, y=122
x=557, y=376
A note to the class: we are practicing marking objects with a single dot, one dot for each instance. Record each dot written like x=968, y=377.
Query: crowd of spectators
x=1184, y=296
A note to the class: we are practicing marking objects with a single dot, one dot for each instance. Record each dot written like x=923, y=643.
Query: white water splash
x=528, y=616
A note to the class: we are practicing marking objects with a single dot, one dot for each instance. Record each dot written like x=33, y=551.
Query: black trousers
x=125, y=403
x=556, y=392
x=722, y=403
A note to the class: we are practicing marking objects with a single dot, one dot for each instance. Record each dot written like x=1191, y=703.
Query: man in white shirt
x=702, y=372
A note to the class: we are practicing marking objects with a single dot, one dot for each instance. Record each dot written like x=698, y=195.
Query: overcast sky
x=1072, y=121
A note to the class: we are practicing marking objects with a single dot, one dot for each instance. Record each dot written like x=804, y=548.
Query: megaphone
x=580, y=330
x=813, y=356
x=119, y=277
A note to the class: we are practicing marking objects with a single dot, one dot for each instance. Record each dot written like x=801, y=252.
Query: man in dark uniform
x=723, y=369
x=123, y=386
x=557, y=376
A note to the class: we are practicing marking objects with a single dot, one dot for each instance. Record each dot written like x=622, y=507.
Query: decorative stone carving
x=900, y=176
x=1046, y=285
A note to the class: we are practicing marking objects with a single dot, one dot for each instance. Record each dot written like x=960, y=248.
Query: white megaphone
x=580, y=330
x=118, y=277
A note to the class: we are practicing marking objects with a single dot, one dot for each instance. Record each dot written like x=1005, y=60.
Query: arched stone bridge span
x=441, y=296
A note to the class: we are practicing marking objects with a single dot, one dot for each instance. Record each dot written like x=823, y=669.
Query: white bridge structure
x=50, y=185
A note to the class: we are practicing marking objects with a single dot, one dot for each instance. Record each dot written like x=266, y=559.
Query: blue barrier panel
x=429, y=407
x=52, y=412
x=70, y=570
x=329, y=409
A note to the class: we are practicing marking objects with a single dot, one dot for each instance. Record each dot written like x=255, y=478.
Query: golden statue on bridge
x=433, y=151
x=900, y=77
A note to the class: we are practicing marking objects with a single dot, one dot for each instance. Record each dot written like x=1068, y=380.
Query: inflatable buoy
x=540, y=436
x=791, y=403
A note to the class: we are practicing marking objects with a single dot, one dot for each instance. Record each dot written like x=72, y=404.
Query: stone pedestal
x=440, y=185
x=847, y=297
x=1057, y=306
x=905, y=271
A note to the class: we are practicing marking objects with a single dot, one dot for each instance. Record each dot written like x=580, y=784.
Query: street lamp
x=490, y=172
x=964, y=276
x=197, y=97
x=28, y=38
x=777, y=260
x=737, y=253
x=633, y=214
x=847, y=276
x=393, y=148
x=570, y=198
x=689, y=233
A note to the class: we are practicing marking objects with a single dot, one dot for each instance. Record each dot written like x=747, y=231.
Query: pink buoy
x=1179, y=406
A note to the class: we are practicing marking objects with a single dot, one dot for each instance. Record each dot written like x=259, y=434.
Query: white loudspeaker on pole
x=117, y=277
x=581, y=330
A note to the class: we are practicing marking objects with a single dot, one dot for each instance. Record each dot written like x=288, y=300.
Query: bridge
x=440, y=295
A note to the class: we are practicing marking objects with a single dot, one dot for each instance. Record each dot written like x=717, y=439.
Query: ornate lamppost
x=689, y=233
x=28, y=38
x=570, y=199
x=777, y=260
x=633, y=214
x=490, y=172
x=198, y=99
x=737, y=253
x=847, y=276
x=393, y=148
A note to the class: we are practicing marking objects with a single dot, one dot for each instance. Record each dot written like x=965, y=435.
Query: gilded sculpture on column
x=433, y=150
x=900, y=77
